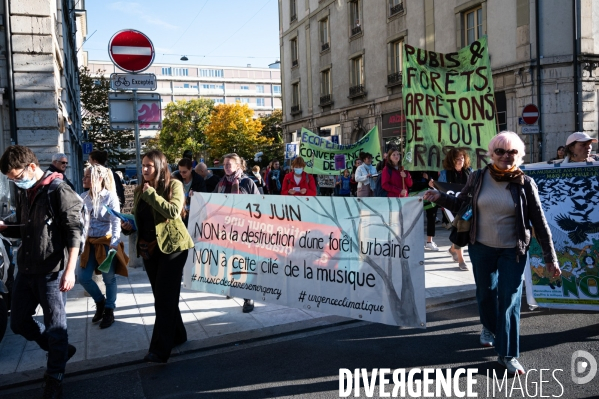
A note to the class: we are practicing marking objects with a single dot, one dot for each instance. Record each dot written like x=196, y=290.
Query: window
x=292, y=10
x=180, y=71
x=245, y=87
x=243, y=100
x=473, y=25
x=211, y=73
x=354, y=16
x=294, y=52
x=212, y=87
x=395, y=7
x=295, y=99
x=276, y=89
x=167, y=71
x=218, y=100
x=323, y=27
x=395, y=52
x=325, y=87
x=357, y=71
x=259, y=88
x=260, y=102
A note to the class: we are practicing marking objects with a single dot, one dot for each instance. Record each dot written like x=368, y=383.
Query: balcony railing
x=294, y=63
x=293, y=17
x=325, y=46
x=357, y=91
x=396, y=9
x=355, y=30
x=394, y=79
x=296, y=110
x=325, y=100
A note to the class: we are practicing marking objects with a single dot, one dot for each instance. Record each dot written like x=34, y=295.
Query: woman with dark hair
x=191, y=182
x=395, y=180
x=163, y=243
x=456, y=169
x=560, y=154
x=366, y=175
x=298, y=182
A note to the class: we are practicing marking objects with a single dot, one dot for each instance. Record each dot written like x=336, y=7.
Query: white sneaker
x=431, y=246
x=487, y=339
x=511, y=364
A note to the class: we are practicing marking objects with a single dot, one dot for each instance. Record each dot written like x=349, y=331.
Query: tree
x=233, y=129
x=271, y=128
x=183, y=128
x=95, y=119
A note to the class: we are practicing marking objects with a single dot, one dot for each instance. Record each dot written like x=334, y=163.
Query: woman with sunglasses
x=505, y=207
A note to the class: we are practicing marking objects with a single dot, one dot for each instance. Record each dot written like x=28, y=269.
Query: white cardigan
x=362, y=173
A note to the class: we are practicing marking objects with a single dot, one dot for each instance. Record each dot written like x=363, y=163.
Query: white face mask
x=298, y=171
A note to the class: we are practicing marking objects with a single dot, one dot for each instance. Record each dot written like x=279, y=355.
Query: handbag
x=462, y=223
x=146, y=248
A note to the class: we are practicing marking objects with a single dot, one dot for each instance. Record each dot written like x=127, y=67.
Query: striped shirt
x=104, y=224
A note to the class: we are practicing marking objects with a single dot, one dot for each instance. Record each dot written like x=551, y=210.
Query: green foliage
x=234, y=129
x=272, y=128
x=183, y=128
x=95, y=118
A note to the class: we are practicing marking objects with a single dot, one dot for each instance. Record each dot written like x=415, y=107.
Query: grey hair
x=57, y=157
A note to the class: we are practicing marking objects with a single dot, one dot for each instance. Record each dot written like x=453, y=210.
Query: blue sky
x=208, y=32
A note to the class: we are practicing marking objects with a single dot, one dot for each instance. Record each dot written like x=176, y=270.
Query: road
x=307, y=364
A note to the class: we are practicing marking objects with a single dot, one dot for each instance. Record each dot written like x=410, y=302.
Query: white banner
x=358, y=258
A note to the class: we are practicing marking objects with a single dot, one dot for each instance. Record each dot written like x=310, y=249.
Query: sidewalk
x=211, y=320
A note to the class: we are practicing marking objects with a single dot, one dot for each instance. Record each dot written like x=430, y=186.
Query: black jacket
x=211, y=183
x=53, y=168
x=45, y=239
x=529, y=213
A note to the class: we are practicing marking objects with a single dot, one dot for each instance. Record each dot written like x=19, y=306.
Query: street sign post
x=131, y=50
x=531, y=129
x=530, y=114
x=128, y=110
x=133, y=81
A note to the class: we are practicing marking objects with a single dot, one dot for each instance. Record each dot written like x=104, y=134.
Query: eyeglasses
x=64, y=163
x=501, y=152
x=20, y=176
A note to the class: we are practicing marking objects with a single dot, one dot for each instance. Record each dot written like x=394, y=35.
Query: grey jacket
x=45, y=239
x=529, y=213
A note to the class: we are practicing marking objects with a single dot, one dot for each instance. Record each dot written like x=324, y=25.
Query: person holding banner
x=235, y=181
x=456, y=169
x=395, y=180
x=578, y=148
x=163, y=243
x=366, y=175
x=298, y=182
x=103, y=234
x=505, y=208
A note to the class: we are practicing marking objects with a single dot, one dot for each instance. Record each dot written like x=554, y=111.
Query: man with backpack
x=48, y=221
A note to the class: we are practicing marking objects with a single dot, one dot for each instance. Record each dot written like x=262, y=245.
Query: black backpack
x=379, y=191
x=83, y=216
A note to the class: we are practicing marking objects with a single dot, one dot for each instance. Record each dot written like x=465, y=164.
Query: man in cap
x=578, y=148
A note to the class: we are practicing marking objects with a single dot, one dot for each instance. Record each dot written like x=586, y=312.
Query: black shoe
x=52, y=388
x=248, y=305
x=108, y=318
x=99, y=311
x=153, y=358
x=71, y=352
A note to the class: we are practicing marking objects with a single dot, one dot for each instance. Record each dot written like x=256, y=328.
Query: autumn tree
x=183, y=128
x=233, y=128
x=272, y=128
x=95, y=118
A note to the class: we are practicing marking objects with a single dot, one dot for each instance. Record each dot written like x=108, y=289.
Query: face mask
x=298, y=171
x=25, y=184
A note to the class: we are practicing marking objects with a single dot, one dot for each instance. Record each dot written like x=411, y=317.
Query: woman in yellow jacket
x=162, y=242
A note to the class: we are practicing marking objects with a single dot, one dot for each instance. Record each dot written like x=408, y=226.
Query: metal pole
x=137, y=143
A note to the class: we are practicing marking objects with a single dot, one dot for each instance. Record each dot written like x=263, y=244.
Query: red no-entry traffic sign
x=131, y=50
x=530, y=114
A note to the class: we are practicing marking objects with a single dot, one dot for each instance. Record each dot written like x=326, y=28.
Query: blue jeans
x=30, y=290
x=498, y=276
x=85, y=278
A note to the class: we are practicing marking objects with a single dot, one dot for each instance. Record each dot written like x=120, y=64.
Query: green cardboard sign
x=449, y=102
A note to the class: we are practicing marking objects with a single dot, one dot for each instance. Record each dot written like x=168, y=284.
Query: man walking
x=59, y=165
x=210, y=178
x=48, y=222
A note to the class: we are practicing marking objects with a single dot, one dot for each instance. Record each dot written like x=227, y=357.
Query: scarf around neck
x=232, y=179
x=513, y=175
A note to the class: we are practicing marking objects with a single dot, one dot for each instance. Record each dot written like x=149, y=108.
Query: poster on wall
x=448, y=102
x=361, y=259
x=570, y=200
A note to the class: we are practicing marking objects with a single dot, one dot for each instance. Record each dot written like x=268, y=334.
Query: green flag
x=448, y=102
x=323, y=157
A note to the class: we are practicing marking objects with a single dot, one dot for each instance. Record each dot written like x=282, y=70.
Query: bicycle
x=122, y=81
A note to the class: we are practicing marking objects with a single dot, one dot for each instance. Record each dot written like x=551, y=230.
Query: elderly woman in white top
x=505, y=209
x=104, y=231
x=366, y=176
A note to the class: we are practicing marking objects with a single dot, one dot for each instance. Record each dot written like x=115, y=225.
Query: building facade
x=260, y=88
x=40, y=105
x=341, y=63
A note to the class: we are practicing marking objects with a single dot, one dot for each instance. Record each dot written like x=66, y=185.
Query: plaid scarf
x=233, y=180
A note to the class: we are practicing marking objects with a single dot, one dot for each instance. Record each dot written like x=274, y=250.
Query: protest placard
x=570, y=199
x=320, y=154
x=358, y=258
x=448, y=102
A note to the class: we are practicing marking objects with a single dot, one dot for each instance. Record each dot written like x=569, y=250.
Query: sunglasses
x=64, y=163
x=501, y=152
